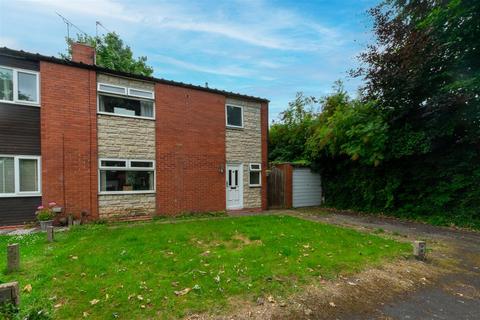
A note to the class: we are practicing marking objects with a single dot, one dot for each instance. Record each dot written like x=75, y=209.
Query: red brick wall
x=83, y=53
x=264, y=123
x=190, y=151
x=69, y=138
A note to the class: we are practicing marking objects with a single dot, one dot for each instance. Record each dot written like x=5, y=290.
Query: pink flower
x=52, y=204
x=40, y=207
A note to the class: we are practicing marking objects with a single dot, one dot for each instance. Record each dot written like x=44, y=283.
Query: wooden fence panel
x=276, y=188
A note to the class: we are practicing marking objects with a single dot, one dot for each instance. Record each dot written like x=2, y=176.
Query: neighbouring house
x=110, y=144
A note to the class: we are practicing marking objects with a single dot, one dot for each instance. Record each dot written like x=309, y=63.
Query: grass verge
x=163, y=270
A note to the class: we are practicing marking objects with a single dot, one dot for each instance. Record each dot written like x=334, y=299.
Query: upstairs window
x=19, y=86
x=126, y=106
x=234, y=116
x=19, y=176
x=126, y=102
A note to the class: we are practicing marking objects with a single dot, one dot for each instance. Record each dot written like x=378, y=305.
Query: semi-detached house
x=108, y=144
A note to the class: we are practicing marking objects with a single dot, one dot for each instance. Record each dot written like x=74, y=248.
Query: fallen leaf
x=332, y=304
x=142, y=306
x=58, y=305
x=28, y=288
x=85, y=314
x=83, y=274
x=73, y=257
x=270, y=299
x=139, y=297
x=94, y=301
x=182, y=292
x=351, y=283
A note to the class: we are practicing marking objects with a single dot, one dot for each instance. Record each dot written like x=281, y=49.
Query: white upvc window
x=255, y=175
x=126, y=176
x=234, y=116
x=125, y=102
x=110, y=88
x=19, y=86
x=20, y=176
x=141, y=93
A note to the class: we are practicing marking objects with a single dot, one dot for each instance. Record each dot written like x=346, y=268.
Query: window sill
x=255, y=185
x=235, y=128
x=119, y=193
x=20, y=195
x=20, y=103
x=125, y=116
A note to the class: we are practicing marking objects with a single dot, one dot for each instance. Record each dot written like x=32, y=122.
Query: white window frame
x=226, y=116
x=259, y=170
x=15, y=87
x=126, y=96
x=16, y=168
x=127, y=167
x=141, y=90
x=111, y=85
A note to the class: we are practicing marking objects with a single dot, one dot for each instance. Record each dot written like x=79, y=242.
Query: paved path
x=455, y=295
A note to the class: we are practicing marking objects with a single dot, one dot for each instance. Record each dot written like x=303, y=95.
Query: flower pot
x=45, y=224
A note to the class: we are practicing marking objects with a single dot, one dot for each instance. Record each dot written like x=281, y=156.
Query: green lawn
x=133, y=270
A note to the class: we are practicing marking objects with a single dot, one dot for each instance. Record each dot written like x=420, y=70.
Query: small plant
x=46, y=213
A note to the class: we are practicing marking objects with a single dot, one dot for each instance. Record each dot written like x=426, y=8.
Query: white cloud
x=92, y=8
x=233, y=71
x=252, y=22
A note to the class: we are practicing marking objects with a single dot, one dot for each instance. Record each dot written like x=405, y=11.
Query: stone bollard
x=419, y=249
x=50, y=237
x=9, y=293
x=13, y=257
x=70, y=220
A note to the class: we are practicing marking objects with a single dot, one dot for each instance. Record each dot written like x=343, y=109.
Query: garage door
x=307, y=188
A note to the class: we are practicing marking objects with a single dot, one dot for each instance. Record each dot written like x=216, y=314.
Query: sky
x=270, y=49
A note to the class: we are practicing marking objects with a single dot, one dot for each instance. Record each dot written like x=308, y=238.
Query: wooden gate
x=276, y=188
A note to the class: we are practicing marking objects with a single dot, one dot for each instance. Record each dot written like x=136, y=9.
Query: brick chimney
x=83, y=53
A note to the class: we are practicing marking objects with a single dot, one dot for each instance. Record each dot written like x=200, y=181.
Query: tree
x=112, y=53
x=409, y=146
x=287, y=138
x=424, y=70
x=354, y=129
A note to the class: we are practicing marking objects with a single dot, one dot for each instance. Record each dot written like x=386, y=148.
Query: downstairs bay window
x=119, y=176
x=20, y=176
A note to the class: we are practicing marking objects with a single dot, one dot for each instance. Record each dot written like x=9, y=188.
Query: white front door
x=234, y=178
